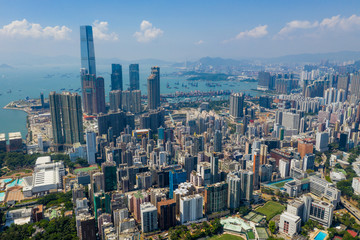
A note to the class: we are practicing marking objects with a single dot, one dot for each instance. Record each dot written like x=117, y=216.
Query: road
x=351, y=208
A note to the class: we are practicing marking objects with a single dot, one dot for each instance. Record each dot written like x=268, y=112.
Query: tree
x=272, y=227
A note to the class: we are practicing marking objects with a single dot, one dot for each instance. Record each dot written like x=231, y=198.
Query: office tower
x=191, y=208
x=85, y=227
x=264, y=81
x=91, y=147
x=115, y=100
x=100, y=95
x=66, y=118
x=217, y=141
x=214, y=162
x=97, y=182
x=116, y=77
x=284, y=168
x=256, y=168
x=237, y=105
x=355, y=84
x=176, y=176
x=149, y=222
x=305, y=147
x=134, y=77
x=115, y=120
x=263, y=154
x=87, y=50
x=289, y=224
x=216, y=197
x=343, y=83
x=290, y=120
x=135, y=101
x=109, y=171
x=308, y=161
x=167, y=214
x=322, y=141
x=153, y=88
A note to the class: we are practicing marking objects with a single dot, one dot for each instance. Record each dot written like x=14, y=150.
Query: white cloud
x=257, y=32
x=338, y=22
x=24, y=28
x=147, y=32
x=294, y=25
x=199, y=42
x=101, y=31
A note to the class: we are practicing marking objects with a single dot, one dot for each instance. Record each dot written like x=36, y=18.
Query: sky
x=179, y=30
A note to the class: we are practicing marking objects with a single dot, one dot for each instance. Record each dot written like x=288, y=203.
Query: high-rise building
x=191, y=208
x=176, y=176
x=263, y=154
x=308, y=161
x=153, y=88
x=131, y=101
x=264, y=81
x=256, y=169
x=93, y=90
x=91, y=147
x=284, y=168
x=66, y=118
x=217, y=141
x=289, y=224
x=167, y=214
x=134, y=77
x=115, y=120
x=97, y=182
x=237, y=105
x=240, y=188
x=216, y=197
x=322, y=141
x=87, y=50
x=290, y=120
x=149, y=222
x=109, y=171
x=115, y=100
x=116, y=77
x=85, y=225
x=343, y=83
x=100, y=95
x=214, y=163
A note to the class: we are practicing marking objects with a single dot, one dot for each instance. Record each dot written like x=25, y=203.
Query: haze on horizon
x=179, y=31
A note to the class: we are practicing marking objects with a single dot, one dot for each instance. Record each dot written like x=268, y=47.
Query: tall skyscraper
x=91, y=147
x=87, y=50
x=264, y=81
x=343, y=83
x=116, y=77
x=214, y=162
x=134, y=77
x=100, y=95
x=216, y=197
x=109, y=171
x=115, y=100
x=154, y=88
x=256, y=168
x=93, y=90
x=237, y=105
x=66, y=118
x=217, y=141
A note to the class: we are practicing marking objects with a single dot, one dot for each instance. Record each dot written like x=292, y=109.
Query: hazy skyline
x=177, y=31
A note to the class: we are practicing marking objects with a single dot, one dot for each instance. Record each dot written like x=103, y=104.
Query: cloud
x=293, y=25
x=257, y=32
x=337, y=22
x=25, y=29
x=199, y=42
x=147, y=32
x=100, y=30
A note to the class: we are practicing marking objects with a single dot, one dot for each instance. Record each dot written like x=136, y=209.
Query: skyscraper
x=109, y=171
x=66, y=118
x=87, y=50
x=264, y=81
x=343, y=83
x=91, y=147
x=214, y=162
x=100, y=95
x=236, y=105
x=116, y=77
x=154, y=88
x=134, y=77
x=217, y=141
x=256, y=167
x=115, y=100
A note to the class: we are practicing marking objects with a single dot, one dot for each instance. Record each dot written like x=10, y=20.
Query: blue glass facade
x=87, y=50
x=175, y=178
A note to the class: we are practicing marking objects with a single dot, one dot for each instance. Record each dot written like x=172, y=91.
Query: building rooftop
x=2, y=137
x=43, y=160
x=14, y=135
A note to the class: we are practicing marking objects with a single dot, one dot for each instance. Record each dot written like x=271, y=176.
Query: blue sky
x=179, y=30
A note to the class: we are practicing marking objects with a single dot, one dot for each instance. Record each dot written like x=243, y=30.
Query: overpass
x=351, y=208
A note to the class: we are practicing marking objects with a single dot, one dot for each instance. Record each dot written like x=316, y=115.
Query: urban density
x=278, y=161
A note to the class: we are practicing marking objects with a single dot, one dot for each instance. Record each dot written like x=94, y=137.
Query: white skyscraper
x=284, y=168
x=191, y=208
x=322, y=141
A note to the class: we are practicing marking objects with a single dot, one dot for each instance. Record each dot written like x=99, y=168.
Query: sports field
x=226, y=237
x=270, y=209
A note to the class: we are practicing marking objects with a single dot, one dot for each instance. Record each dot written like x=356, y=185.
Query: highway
x=351, y=208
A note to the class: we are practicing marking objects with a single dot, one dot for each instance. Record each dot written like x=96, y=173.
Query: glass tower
x=87, y=50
